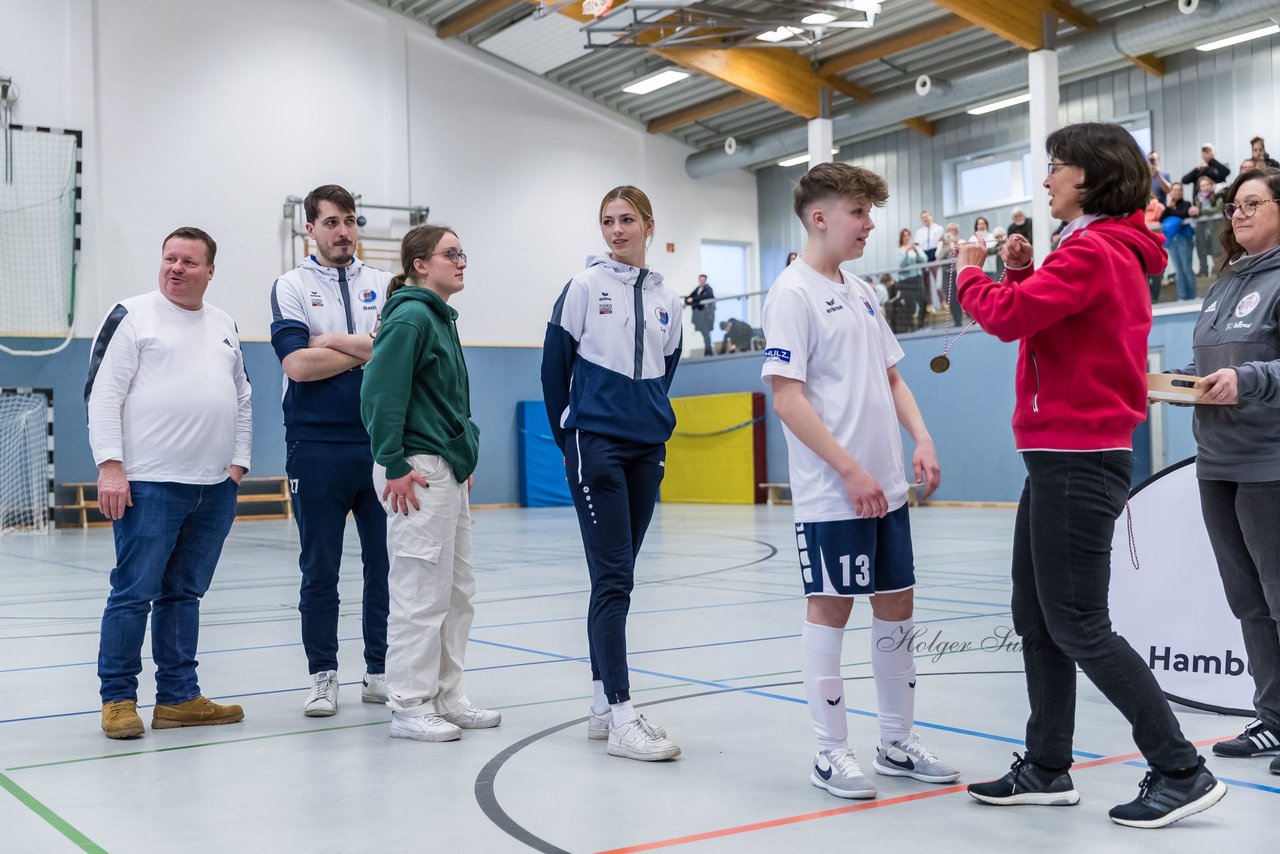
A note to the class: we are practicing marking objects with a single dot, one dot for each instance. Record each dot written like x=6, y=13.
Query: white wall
x=210, y=114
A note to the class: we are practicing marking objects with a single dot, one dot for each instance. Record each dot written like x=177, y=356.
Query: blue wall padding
x=542, y=480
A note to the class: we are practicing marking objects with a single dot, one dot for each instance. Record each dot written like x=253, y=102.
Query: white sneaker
x=430, y=727
x=910, y=758
x=474, y=718
x=839, y=773
x=639, y=739
x=323, y=699
x=374, y=689
x=599, y=724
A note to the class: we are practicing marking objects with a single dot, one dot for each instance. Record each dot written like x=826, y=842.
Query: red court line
x=868, y=805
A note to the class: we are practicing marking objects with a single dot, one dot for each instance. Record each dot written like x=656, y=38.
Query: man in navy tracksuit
x=323, y=314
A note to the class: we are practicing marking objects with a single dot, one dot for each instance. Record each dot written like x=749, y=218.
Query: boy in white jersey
x=830, y=360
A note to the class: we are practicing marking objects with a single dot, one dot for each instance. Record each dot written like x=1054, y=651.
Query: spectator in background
x=1020, y=224
x=1152, y=215
x=928, y=236
x=1247, y=165
x=1209, y=228
x=1178, y=235
x=703, y=304
x=1160, y=182
x=947, y=251
x=883, y=294
x=982, y=231
x=1260, y=156
x=791, y=256
x=737, y=336
x=999, y=234
x=1209, y=167
x=1056, y=237
x=908, y=255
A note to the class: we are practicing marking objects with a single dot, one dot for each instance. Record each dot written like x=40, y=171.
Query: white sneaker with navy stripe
x=910, y=758
x=839, y=773
x=1258, y=739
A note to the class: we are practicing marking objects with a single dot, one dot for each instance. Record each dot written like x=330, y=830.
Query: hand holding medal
x=1015, y=252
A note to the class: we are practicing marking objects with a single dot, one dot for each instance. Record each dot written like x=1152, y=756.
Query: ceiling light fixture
x=801, y=158
x=818, y=18
x=1000, y=105
x=1243, y=37
x=781, y=34
x=645, y=85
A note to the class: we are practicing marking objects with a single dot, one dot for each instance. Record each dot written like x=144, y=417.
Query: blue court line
x=474, y=628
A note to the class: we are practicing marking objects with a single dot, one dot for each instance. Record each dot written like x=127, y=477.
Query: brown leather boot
x=198, y=712
x=120, y=719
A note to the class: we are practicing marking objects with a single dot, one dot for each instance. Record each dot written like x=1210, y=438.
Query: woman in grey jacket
x=1236, y=348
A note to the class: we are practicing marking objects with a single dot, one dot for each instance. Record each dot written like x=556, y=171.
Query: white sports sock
x=599, y=703
x=894, y=670
x=823, y=686
x=623, y=713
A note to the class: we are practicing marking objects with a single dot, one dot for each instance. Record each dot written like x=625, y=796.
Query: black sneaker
x=1258, y=739
x=1027, y=783
x=1162, y=800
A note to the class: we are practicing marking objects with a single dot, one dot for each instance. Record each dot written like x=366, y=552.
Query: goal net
x=26, y=460
x=39, y=235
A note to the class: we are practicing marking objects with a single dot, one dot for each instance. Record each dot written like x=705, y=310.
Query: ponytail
x=397, y=282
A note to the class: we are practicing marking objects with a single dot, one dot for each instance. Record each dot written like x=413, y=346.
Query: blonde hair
x=633, y=196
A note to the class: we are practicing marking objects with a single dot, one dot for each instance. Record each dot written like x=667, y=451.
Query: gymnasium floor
x=714, y=640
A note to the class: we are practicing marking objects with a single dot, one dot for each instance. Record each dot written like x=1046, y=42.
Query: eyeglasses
x=1054, y=166
x=455, y=257
x=1248, y=207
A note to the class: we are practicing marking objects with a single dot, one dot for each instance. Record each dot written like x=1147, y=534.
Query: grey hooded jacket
x=1239, y=328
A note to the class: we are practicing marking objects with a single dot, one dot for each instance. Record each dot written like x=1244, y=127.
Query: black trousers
x=615, y=485
x=1061, y=581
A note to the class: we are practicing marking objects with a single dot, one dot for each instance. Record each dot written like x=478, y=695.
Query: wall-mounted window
x=986, y=180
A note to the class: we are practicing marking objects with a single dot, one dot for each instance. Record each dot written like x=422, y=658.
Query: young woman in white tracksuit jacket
x=611, y=350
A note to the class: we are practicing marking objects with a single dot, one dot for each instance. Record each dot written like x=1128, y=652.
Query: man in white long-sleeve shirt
x=170, y=426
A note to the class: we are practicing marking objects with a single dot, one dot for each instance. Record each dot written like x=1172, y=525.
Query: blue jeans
x=167, y=546
x=1061, y=582
x=1180, y=253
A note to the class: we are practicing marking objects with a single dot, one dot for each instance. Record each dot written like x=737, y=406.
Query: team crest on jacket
x=368, y=295
x=663, y=317
x=871, y=311
x=1248, y=304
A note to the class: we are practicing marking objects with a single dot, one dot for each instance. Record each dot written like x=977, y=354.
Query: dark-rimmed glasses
x=1248, y=207
x=455, y=257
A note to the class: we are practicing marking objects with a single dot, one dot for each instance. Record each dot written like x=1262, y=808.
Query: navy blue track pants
x=614, y=483
x=329, y=480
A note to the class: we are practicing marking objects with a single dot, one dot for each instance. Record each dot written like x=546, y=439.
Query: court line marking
x=838, y=811
x=50, y=817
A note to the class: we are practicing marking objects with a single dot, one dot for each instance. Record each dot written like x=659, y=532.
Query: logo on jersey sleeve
x=777, y=354
x=663, y=317
x=368, y=295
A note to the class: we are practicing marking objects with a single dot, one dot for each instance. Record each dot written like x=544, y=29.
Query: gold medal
x=939, y=364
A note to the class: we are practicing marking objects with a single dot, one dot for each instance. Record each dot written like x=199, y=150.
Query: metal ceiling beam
x=472, y=16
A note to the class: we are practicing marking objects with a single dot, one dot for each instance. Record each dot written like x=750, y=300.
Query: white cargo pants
x=431, y=582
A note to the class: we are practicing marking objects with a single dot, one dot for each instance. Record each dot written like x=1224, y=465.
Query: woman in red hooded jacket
x=1082, y=322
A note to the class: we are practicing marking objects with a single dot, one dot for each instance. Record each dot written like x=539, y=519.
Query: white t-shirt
x=835, y=340
x=168, y=394
x=929, y=236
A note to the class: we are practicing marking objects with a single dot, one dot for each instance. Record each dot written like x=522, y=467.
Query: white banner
x=1172, y=609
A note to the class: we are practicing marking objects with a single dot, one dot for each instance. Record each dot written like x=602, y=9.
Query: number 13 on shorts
x=862, y=579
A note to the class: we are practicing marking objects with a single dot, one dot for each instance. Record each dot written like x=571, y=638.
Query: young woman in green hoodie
x=416, y=405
